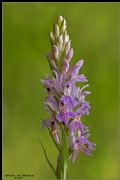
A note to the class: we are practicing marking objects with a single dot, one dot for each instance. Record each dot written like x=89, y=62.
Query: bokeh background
x=93, y=28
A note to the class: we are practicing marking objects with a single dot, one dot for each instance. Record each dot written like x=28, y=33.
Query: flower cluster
x=65, y=101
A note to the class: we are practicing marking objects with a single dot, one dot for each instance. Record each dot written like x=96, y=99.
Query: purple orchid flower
x=51, y=103
x=73, y=72
x=67, y=103
x=84, y=109
x=64, y=116
x=52, y=126
x=78, y=139
x=81, y=143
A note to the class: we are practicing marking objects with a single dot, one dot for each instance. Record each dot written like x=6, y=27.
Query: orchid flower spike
x=65, y=101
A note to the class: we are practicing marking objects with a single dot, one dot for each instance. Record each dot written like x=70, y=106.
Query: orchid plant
x=65, y=102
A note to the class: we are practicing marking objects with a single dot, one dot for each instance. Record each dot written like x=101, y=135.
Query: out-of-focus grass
x=93, y=28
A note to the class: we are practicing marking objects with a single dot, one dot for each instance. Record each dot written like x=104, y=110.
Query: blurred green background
x=93, y=28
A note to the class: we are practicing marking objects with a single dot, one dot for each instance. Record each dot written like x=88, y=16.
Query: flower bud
x=63, y=28
x=53, y=65
x=60, y=20
x=60, y=45
x=52, y=38
x=57, y=31
x=67, y=47
x=65, y=66
x=61, y=39
x=66, y=38
x=69, y=54
x=55, y=51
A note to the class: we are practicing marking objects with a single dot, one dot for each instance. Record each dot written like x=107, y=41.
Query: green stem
x=62, y=162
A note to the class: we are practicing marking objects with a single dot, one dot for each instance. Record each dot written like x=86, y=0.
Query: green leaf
x=49, y=163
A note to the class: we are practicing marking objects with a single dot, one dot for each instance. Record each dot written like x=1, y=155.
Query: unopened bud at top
x=60, y=20
x=63, y=28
